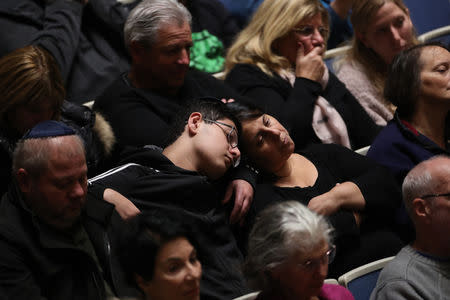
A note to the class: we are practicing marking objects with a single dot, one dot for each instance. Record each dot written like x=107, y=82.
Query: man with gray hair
x=142, y=103
x=54, y=241
x=422, y=270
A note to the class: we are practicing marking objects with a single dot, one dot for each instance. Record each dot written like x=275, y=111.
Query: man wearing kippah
x=51, y=237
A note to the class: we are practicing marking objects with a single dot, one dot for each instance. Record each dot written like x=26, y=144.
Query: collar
x=413, y=134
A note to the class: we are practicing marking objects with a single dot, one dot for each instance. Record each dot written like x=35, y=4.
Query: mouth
x=193, y=292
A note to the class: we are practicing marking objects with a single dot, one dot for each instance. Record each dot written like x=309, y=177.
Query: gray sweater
x=411, y=275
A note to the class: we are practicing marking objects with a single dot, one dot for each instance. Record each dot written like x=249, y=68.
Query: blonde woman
x=382, y=28
x=277, y=62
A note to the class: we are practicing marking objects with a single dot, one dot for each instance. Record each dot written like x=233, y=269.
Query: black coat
x=36, y=262
x=293, y=106
x=154, y=183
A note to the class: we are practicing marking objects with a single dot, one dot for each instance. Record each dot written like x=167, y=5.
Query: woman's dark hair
x=145, y=234
x=245, y=111
x=403, y=82
x=211, y=108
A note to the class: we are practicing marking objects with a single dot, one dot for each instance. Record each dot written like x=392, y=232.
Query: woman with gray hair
x=289, y=250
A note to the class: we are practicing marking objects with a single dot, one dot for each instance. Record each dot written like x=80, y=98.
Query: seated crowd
x=179, y=185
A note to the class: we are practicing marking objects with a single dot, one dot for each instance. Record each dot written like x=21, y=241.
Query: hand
x=324, y=204
x=311, y=65
x=123, y=206
x=243, y=196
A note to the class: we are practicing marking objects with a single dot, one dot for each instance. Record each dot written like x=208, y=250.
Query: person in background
x=84, y=37
x=54, y=240
x=356, y=195
x=189, y=174
x=160, y=255
x=418, y=84
x=289, y=250
x=339, y=10
x=213, y=30
x=141, y=104
x=382, y=28
x=31, y=91
x=421, y=270
x=276, y=61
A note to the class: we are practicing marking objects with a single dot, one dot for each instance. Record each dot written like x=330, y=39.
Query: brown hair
x=29, y=75
x=363, y=12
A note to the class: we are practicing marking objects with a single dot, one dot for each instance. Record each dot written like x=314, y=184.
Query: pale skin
x=433, y=103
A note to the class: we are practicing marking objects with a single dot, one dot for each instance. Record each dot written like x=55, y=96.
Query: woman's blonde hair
x=362, y=15
x=29, y=75
x=273, y=20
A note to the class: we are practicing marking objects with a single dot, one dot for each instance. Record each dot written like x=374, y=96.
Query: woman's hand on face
x=311, y=65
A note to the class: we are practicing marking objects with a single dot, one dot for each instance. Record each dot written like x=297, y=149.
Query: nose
x=235, y=152
x=396, y=36
x=194, y=271
x=272, y=133
x=322, y=269
x=317, y=38
x=183, y=59
x=78, y=190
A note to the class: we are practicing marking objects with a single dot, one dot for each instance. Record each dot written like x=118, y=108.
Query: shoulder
x=114, y=93
x=243, y=76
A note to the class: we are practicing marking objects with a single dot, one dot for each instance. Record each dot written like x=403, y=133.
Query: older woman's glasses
x=232, y=136
x=327, y=258
x=308, y=31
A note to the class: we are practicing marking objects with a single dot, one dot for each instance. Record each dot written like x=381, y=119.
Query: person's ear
x=137, y=52
x=421, y=208
x=362, y=38
x=144, y=285
x=24, y=180
x=193, y=123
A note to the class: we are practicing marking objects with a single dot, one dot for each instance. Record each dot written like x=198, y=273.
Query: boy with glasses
x=187, y=174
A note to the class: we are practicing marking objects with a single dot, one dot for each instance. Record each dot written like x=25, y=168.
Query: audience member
x=277, y=62
x=83, y=36
x=290, y=248
x=159, y=254
x=383, y=28
x=31, y=91
x=141, y=104
x=53, y=240
x=202, y=147
x=338, y=10
x=211, y=15
x=422, y=270
x=213, y=30
x=417, y=84
x=358, y=196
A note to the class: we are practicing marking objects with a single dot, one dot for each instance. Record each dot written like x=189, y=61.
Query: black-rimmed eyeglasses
x=232, y=136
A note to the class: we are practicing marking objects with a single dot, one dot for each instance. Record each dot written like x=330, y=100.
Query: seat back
x=362, y=280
